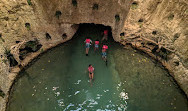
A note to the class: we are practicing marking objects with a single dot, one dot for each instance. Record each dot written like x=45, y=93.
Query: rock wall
x=50, y=22
x=153, y=25
x=149, y=25
x=109, y=12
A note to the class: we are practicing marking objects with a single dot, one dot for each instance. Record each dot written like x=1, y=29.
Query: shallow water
x=59, y=81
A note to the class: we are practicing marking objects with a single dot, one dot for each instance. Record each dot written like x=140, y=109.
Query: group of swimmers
x=88, y=43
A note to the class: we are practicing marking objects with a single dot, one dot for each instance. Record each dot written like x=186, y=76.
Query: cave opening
x=97, y=31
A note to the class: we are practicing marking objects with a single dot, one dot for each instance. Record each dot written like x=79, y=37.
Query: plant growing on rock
x=74, y=3
x=42, y=50
x=140, y=20
x=28, y=26
x=117, y=17
x=171, y=17
x=4, y=61
x=32, y=45
x=95, y=6
x=29, y=2
x=1, y=37
x=176, y=36
x=2, y=94
x=48, y=36
x=64, y=36
x=10, y=58
x=134, y=5
x=58, y=14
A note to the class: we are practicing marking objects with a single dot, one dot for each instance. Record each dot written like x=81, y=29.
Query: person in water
x=96, y=45
x=91, y=73
x=104, y=53
x=88, y=43
x=105, y=35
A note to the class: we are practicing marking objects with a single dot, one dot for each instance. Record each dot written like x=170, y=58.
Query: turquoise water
x=59, y=81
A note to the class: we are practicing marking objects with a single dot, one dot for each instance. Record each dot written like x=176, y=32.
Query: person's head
x=97, y=39
x=90, y=65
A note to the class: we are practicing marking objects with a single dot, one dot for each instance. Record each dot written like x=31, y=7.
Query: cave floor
x=59, y=81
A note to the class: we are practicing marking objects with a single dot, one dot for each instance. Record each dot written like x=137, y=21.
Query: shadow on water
x=59, y=80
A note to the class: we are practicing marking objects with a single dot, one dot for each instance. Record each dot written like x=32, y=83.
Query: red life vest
x=105, y=47
x=88, y=40
x=90, y=69
x=97, y=42
x=105, y=32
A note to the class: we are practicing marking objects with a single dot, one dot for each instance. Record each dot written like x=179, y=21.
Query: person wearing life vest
x=105, y=35
x=104, y=53
x=91, y=73
x=96, y=45
x=88, y=43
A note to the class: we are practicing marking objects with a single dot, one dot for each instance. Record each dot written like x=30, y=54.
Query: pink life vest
x=105, y=32
x=105, y=47
x=88, y=40
x=97, y=42
x=90, y=69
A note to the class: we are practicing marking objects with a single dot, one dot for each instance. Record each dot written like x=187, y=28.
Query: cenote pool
x=59, y=81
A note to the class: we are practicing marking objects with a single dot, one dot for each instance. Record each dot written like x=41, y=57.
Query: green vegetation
x=42, y=50
x=117, y=18
x=186, y=11
x=64, y=36
x=74, y=3
x=1, y=37
x=48, y=36
x=171, y=17
x=95, y=6
x=2, y=94
x=176, y=36
x=32, y=45
x=154, y=32
x=7, y=52
x=122, y=34
x=58, y=14
x=164, y=53
x=29, y=2
x=134, y=5
x=10, y=58
x=140, y=20
x=28, y=26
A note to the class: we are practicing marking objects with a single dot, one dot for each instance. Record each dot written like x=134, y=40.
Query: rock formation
x=158, y=27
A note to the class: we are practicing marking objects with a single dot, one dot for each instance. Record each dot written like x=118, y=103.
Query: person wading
x=104, y=53
x=88, y=43
x=96, y=45
x=105, y=35
x=91, y=73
